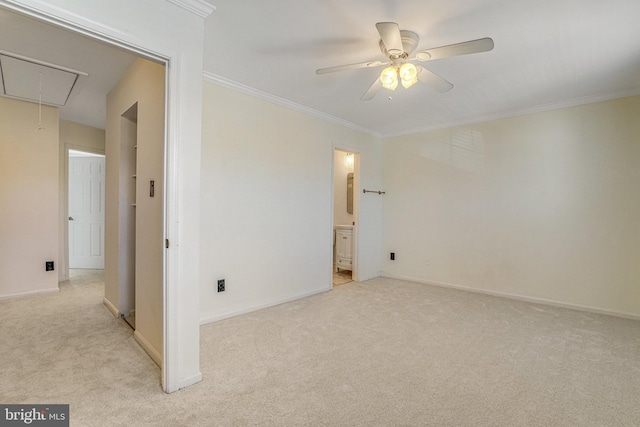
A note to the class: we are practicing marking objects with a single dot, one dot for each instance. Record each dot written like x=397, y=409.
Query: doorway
x=345, y=214
x=86, y=210
x=179, y=273
x=82, y=240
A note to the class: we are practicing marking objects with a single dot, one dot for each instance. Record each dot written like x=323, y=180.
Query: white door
x=86, y=211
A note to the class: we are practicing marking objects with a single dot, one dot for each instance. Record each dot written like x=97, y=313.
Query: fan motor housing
x=409, y=43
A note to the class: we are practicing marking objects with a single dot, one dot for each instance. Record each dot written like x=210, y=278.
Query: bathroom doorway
x=345, y=208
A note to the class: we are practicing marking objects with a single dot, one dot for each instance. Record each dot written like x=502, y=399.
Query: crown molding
x=248, y=90
x=199, y=7
x=239, y=87
x=519, y=112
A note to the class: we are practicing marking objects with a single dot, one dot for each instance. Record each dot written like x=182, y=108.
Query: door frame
x=182, y=135
x=356, y=205
x=64, y=202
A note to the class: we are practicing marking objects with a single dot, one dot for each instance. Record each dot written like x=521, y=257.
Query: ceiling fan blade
x=390, y=35
x=464, y=48
x=368, y=64
x=433, y=80
x=373, y=89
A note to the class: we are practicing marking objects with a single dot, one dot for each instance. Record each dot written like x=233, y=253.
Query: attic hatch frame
x=53, y=68
x=179, y=369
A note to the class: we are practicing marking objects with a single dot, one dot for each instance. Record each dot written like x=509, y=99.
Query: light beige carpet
x=378, y=353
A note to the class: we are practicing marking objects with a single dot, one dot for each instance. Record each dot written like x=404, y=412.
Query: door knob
x=70, y=218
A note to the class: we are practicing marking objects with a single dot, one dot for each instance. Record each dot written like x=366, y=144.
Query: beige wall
x=143, y=84
x=266, y=202
x=28, y=198
x=543, y=206
x=73, y=136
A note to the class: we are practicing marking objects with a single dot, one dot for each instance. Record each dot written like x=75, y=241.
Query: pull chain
x=40, y=127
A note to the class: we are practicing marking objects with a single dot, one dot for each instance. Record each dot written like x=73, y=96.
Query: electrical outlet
x=48, y=266
x=221, y=285
x=393, y=256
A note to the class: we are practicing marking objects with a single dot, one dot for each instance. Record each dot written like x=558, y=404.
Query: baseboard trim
x=29, y=294
x=112, y=308
x=151, y=351
x=367, y=277
x=270, y=303
x=518, y=297
x=191, y=380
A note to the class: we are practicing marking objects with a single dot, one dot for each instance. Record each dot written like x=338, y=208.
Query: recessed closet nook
x=134, y=200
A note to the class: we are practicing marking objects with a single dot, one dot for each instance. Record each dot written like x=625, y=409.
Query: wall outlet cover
x=221, y=285
x=48, y=266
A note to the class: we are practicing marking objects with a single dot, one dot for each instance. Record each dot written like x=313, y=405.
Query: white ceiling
x=548, y=53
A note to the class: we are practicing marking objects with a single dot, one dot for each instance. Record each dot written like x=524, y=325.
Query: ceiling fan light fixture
x=389, y=78
x=408, y=74
x=397, y=45
x=349, y=161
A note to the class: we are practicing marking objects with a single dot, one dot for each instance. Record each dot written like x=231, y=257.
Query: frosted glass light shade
x=348, y=161
x=389, y=78
x=408, y=74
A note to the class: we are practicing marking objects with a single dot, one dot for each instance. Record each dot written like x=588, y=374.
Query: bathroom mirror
x=350, y=193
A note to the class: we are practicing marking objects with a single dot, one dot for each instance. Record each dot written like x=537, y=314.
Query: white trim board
x=112, y=308
x=152, y=352
x=368, y=277
x=248, y=90
x=267, y=304
x=29, y=294
x=190, y=380
x=516, y=113
x=199, y=7
x=239, y=87
x=507, y=295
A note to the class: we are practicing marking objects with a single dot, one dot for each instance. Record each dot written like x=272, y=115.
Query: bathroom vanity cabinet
x=344, y=247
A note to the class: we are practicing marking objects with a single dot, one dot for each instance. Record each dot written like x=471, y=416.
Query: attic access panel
x=25, y=79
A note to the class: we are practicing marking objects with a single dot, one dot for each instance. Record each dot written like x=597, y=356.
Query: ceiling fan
x=397, y=45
